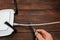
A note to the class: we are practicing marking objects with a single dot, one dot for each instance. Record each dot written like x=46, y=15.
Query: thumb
x=39, y=36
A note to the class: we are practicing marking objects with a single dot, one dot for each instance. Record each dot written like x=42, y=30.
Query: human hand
x=43, y=35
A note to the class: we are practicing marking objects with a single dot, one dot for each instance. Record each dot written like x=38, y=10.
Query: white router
x=6, y=15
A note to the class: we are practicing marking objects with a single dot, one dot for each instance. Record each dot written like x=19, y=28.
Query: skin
x=43, y=35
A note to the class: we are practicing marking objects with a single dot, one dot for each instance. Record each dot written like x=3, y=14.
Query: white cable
x=37, y=24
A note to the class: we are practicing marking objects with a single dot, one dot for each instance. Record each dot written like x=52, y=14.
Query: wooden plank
x=43, y=5
x=6, y=1
x=2, y=38
x=37, y=4
x=27, y=7
x=38, y=0
x=31, y=4
x=4, y=4
x=28, y=36
x=37, y=16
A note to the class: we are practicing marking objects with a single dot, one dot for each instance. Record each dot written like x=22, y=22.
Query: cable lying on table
x=37, y=24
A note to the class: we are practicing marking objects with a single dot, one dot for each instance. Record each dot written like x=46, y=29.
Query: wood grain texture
x=43, y=16
x=37, y=4
x=34, y=11
x=28, y=36
x=2, y=38
x=30, y=4
x=4, y=4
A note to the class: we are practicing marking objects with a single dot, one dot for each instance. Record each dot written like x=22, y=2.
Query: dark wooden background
x=34, y=11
